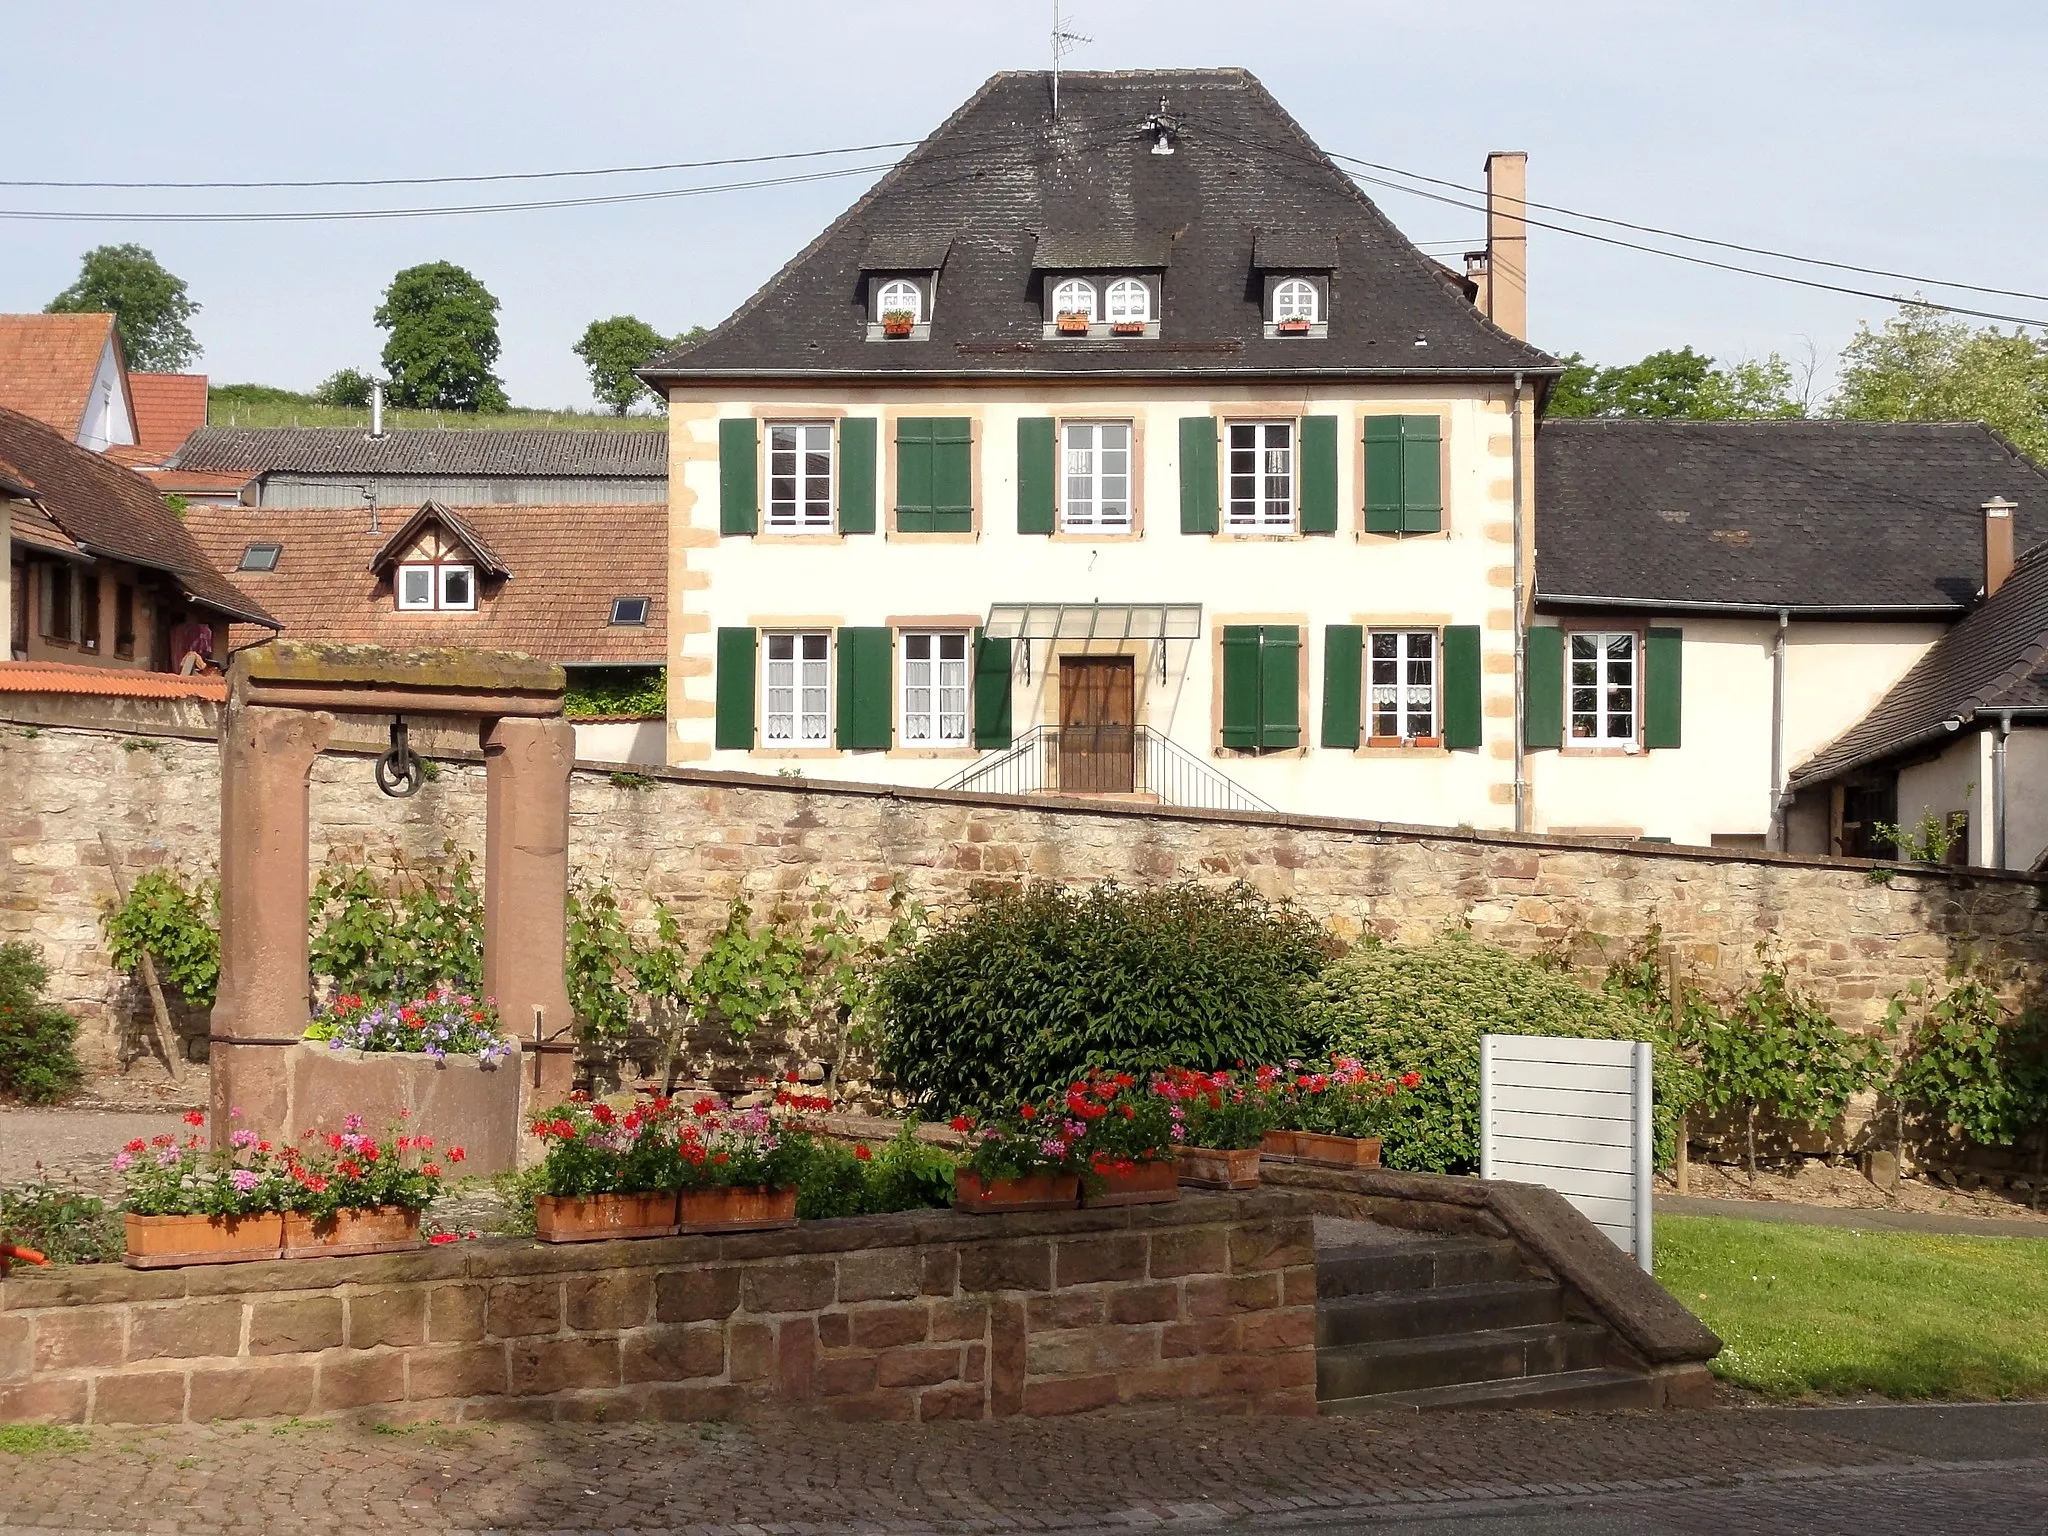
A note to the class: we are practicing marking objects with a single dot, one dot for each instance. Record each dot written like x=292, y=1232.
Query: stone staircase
x=1409, y=1321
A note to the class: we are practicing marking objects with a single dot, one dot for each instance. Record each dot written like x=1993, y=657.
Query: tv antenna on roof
x=1063, y=43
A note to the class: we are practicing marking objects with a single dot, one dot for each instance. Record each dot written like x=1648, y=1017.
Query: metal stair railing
x=1158, y=765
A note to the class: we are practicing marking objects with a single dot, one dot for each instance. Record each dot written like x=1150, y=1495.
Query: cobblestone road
x=1735, y=1470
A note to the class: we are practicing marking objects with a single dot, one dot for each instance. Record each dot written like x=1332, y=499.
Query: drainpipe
x=1776, y=839
x=1998, y=790
x=1521, y=620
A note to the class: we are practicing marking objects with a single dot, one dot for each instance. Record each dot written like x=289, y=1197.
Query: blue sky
x=1889, y=134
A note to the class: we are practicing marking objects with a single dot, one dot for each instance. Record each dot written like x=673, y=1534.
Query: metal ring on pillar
x=399, y=772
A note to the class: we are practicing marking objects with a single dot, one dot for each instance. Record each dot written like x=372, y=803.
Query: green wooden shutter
x=733, y=730
x=1422, y=491
x=1318, y=474
x=739, y=476
x=1279, y=686
x=991, y=692
x=1663, y=686
x=914, y=500
x=1343, y=683
x=953, y=475
x=1403, y=474
x=1198, y=485
x=1459, y=688
x=864, y=675
x=1037, y=474
x=1543, y=687
x=857, y=474
x=1241, y=687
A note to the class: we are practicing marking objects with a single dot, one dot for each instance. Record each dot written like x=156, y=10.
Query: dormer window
x=899, y=296
x=1295, y=299
x=1129, y=302
x=437, y=585
x=1074, y=296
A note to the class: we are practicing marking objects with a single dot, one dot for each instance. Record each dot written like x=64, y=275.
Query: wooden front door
x=1098, y=708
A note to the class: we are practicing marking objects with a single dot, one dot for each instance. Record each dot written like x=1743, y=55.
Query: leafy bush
x=345, y=387
x=1974, y=1073
x=177, y=925
x=66, y=1227
x=1025, y=991
x=639, y=692
x=38, y=1061
x=905, y=1175
x=1423, y=1009
x=389, y=937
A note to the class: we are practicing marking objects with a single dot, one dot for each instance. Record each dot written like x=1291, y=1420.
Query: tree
x=613, y=348
x=444, y=339
x=149, y=306
x=1921, y=365
x=1676, y=384
x=345, y=387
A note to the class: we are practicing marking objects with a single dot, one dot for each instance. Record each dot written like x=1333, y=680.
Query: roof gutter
x=658, y=379
x=1756, y=610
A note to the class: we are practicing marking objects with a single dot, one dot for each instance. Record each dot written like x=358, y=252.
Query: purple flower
x=243, y=1139
x=167, y=1157
x=123, y=1161
x=243, y=1179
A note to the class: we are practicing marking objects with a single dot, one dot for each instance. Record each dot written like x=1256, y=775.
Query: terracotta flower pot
x=1128, y=328
x=1213, y=1168
x=1152, y=1183
x=722, y=1208
x=1038, y=1192
x=1072, y=325
x=163, y=1242
x=1283, y=1143
x=1344, y=1151
x=380, y=1229
x=896, y=327
x=1292, y=327
x=566, y=1219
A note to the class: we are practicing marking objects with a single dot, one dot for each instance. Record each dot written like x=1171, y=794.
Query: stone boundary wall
x=694, y=839
x=1208, y=1303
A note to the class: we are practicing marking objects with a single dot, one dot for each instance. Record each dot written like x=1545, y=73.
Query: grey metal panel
x=293, y=492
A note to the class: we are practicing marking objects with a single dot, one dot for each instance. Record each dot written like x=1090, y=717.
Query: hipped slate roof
x=48, y=364
x=1014, y=191
x=1995, y=659
x=571, y=562
x=113, y=511
x=1810, y=515
x=480, y=451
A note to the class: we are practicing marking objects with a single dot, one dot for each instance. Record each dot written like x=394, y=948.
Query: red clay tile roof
x=30, y=524
x=48, y=363
x=113, y=511
x=169, y=407
x=568, y=564
x=108, y=682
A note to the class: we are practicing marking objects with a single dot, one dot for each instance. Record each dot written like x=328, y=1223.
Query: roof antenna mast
x=1063, y=43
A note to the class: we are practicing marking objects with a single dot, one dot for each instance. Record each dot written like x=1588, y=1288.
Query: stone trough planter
x=457, y=1101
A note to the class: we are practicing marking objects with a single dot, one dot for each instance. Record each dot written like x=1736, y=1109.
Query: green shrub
x=1026, y=990
x=38, y=1061
x=177, y=925
x=387, y=937
x=1974, y=1072
x=905, y=1174
x=66, y=1227
x=1423, y=1009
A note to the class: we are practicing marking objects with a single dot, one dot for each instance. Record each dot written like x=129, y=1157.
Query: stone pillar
x=265, y=810
x=526, y=889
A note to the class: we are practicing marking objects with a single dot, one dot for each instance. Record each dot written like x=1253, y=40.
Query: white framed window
x=900, y=295
x=1076, y=295
x=458, y=585
x=1295, y=299
x=423, y=586
x=1128, y=299
x=796, y=689
x=935, y=688
x=1603, y=684
x=800, y=477
x=1261, y=474
x=1401, y=691
x=1098, y=477
x=415, y=586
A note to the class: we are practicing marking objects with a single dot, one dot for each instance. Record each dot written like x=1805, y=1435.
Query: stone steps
x=1453, y=1359
x=1443, y=1309
x=1589, y=1389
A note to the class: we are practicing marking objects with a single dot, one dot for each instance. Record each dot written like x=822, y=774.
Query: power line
x=333, y=214
x=433, y=181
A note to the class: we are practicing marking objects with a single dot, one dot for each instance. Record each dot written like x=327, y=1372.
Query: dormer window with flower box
x=902, y=276
x=1100, y=286
x=1296, y=269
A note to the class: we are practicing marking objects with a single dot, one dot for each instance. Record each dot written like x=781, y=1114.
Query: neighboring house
x=100, y=571
x=1717, y=600
x=582, y=585
x=1955, y=755
x=169, y=407
x=1187, y=477
x=286, y=467
x=67, y=372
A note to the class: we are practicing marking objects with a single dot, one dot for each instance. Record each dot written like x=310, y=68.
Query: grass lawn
x=256, y=406
x=1835, y=1311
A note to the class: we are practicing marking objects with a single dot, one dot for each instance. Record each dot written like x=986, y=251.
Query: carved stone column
x=526, y=883
x=265, y=811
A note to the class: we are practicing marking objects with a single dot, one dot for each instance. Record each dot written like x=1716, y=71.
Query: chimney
x=1507, y=241
x=1997, y=543
x=377, y=408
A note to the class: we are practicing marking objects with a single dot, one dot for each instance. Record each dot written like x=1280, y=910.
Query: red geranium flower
x=862, y=1153
x=1027, y=1111
x=195, y=1117
x=456, y=1154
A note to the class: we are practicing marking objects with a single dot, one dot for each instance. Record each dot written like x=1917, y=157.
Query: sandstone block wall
x=932, y=1315
x=695, y=839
